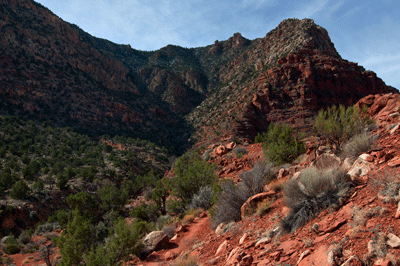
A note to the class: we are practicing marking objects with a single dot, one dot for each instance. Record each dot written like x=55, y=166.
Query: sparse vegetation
x=282, y=145
x=192, y=174
x=338, y=124
x=239, y=152
x=312, y=192
x=357, y=145
x=232, y=197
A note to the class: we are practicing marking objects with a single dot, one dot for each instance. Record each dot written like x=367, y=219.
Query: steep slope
x=284, y=77
x=49, y=71
x=56, y=72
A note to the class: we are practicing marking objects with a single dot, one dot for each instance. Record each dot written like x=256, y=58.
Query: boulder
x=360, y=167
x=326, y=161
x=395, y=162
x=222, y=248
x=246, y=260
x=252, y=202
x=393, y=240
x=243, y=238
x=220, y=150
x=231, y=146
x=220, y=229
x=264, y=240
x=233, y=255
x=154, y=241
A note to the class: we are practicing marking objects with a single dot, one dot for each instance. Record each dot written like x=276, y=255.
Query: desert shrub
x=338, y=124
x=112, y=197
x=282, y=145
x=38, y=186
x=169, y=230
x=160, y=194
x=229, y=203
x=312, y=192
x=175, y=206
x=12, y=246
x=24, y=237
x=202, y=199
x=357, y=145
x=76, y=240
x=86, y=205
x=46, y=228
x=231, y=197
x=206, y=155
x=19, y=190
x=263, y=207
x=186, y=260
x=145, y=212
x=261, y=137
x=255, y=179
x=239, y=151
x=192, y=173
x=388, y=182
x=122, y=243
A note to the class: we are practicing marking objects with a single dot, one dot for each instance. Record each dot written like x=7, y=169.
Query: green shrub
x=338, y=124
x=19, y=190
x=38, y=186
x=145, y=212
x=192, y=173
x=85, y=204
x=261, y=137
x=112, y=197
x=282, y=145
x=161, y=192
x=12, y=246
x=76, y=240
x=122, y=243
x=24, y=237
x=312, y=192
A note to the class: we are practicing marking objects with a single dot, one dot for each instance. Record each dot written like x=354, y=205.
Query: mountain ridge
x=58, y=73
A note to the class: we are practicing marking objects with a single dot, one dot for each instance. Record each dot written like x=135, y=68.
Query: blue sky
x=367, y=32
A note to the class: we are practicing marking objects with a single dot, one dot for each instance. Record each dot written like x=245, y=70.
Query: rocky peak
x=303, y=34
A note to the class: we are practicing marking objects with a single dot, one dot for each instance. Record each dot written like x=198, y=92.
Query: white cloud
x=311, y=10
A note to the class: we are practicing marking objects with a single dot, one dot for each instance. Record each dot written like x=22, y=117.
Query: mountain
x=55, y=72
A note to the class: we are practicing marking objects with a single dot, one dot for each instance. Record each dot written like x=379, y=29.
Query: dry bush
x=255, y=179
x=202, y=199
x=239, y=151
x=233, y=197
x=263, y=207
x=186, y=260
x=169, y=230
x=388, y=181
x=312, y=192
x=308, y=242
x=357, y=145
x=360, y=216
x=393, y=259
x=229, y=203
x=24, y=237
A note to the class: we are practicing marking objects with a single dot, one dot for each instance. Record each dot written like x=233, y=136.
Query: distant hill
x=53, y=71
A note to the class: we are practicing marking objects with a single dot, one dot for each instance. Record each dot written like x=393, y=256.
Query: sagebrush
x=312, y=192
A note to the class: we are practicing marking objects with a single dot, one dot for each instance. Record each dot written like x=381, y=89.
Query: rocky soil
x=363, y=231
